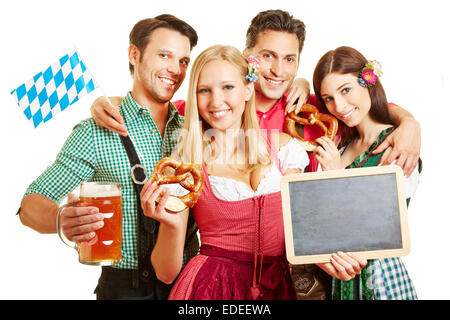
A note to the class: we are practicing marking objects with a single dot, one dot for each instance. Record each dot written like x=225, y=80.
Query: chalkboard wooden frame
x=333, y=176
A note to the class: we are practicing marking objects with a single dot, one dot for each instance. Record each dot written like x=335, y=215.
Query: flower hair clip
x=253, y=66
x=370, y=73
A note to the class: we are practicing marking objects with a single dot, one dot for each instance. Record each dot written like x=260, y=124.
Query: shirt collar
x=174, y=115
x=131, y=110
x=281, y=103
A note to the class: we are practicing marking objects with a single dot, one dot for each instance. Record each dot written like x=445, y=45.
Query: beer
x=104, y=248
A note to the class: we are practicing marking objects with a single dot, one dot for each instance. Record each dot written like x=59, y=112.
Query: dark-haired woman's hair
x=346, y=60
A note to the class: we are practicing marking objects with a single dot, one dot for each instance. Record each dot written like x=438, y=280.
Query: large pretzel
x=181, y=175
x=314, y=118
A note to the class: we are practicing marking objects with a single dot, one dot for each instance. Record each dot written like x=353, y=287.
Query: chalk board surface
x=356, y=210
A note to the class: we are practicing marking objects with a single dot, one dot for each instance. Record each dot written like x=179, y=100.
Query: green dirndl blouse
x=380, y=279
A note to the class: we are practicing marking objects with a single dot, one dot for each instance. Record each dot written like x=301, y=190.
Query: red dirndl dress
x=242, y=255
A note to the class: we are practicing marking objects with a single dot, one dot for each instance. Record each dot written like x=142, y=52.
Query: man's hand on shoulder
x=105, y=113
x=298, y=95
x=405, y=142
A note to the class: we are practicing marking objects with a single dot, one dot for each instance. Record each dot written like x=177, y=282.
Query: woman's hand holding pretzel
x=182, y=172
x=167, y=254
x=327, y=123
x=153, y=202
x=327, y=154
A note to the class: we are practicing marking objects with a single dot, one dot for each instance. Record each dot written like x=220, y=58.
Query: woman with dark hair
x=348, y=85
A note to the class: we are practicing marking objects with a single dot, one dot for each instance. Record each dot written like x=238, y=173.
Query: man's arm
x=399, y=114
x=299, y=90
x=77, y=223
x=39, y=206
x=405, y=141
x=107, y=115
x=38, y=213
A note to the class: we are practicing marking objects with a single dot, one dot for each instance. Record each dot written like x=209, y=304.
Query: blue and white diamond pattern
x=53, y=90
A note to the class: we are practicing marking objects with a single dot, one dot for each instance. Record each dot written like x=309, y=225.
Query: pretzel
x=181, y=175
x=314, y=118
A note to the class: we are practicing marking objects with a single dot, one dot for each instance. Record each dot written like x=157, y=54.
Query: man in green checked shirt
x=158, y=58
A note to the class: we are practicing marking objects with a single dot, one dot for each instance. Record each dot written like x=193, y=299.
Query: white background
x=409, y=38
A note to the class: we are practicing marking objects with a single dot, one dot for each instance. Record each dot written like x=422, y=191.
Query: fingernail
x=92, y=234
x=94, y=210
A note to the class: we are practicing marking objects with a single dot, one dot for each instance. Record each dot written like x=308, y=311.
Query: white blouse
x=412, y=182
x=291, y=156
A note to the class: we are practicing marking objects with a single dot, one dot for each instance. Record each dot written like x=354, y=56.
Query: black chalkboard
x=356, y=210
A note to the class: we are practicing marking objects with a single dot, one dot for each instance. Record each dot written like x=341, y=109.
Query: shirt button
x=153, y=131
x=264, y=116
x=145, y=273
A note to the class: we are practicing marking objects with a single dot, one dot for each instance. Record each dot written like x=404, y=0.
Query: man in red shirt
x=277, y=38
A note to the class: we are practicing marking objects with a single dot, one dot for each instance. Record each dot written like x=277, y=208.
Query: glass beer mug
x=104, y=248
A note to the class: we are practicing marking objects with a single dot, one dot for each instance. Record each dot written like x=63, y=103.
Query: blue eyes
x=207, y=90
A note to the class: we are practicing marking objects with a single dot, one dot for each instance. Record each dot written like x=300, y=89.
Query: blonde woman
x=239, y=211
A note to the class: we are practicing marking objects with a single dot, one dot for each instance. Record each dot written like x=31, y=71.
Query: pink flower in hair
x=252, y=69
x=253, y=62
x=369, y=77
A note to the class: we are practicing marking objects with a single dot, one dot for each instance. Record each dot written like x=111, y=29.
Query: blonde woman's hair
x=194, y=145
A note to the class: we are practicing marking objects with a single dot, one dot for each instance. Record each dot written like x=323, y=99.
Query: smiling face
x=345, y=98
x=161, y=68
x=222, y=95
x=278, y=52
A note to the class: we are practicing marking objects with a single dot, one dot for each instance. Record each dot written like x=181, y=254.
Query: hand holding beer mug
x=105, y=247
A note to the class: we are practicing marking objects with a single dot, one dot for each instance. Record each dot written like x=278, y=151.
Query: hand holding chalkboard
x=359, y=210
x=343, y=266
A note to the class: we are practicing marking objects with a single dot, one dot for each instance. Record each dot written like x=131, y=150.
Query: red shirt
x=180, y=105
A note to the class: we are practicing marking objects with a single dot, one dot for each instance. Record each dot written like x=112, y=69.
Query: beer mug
x=104, y=248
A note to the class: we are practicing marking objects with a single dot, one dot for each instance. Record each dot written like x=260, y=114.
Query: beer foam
x=93, y=190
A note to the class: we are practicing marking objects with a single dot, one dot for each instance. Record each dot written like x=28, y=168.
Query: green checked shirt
x=93, y=153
